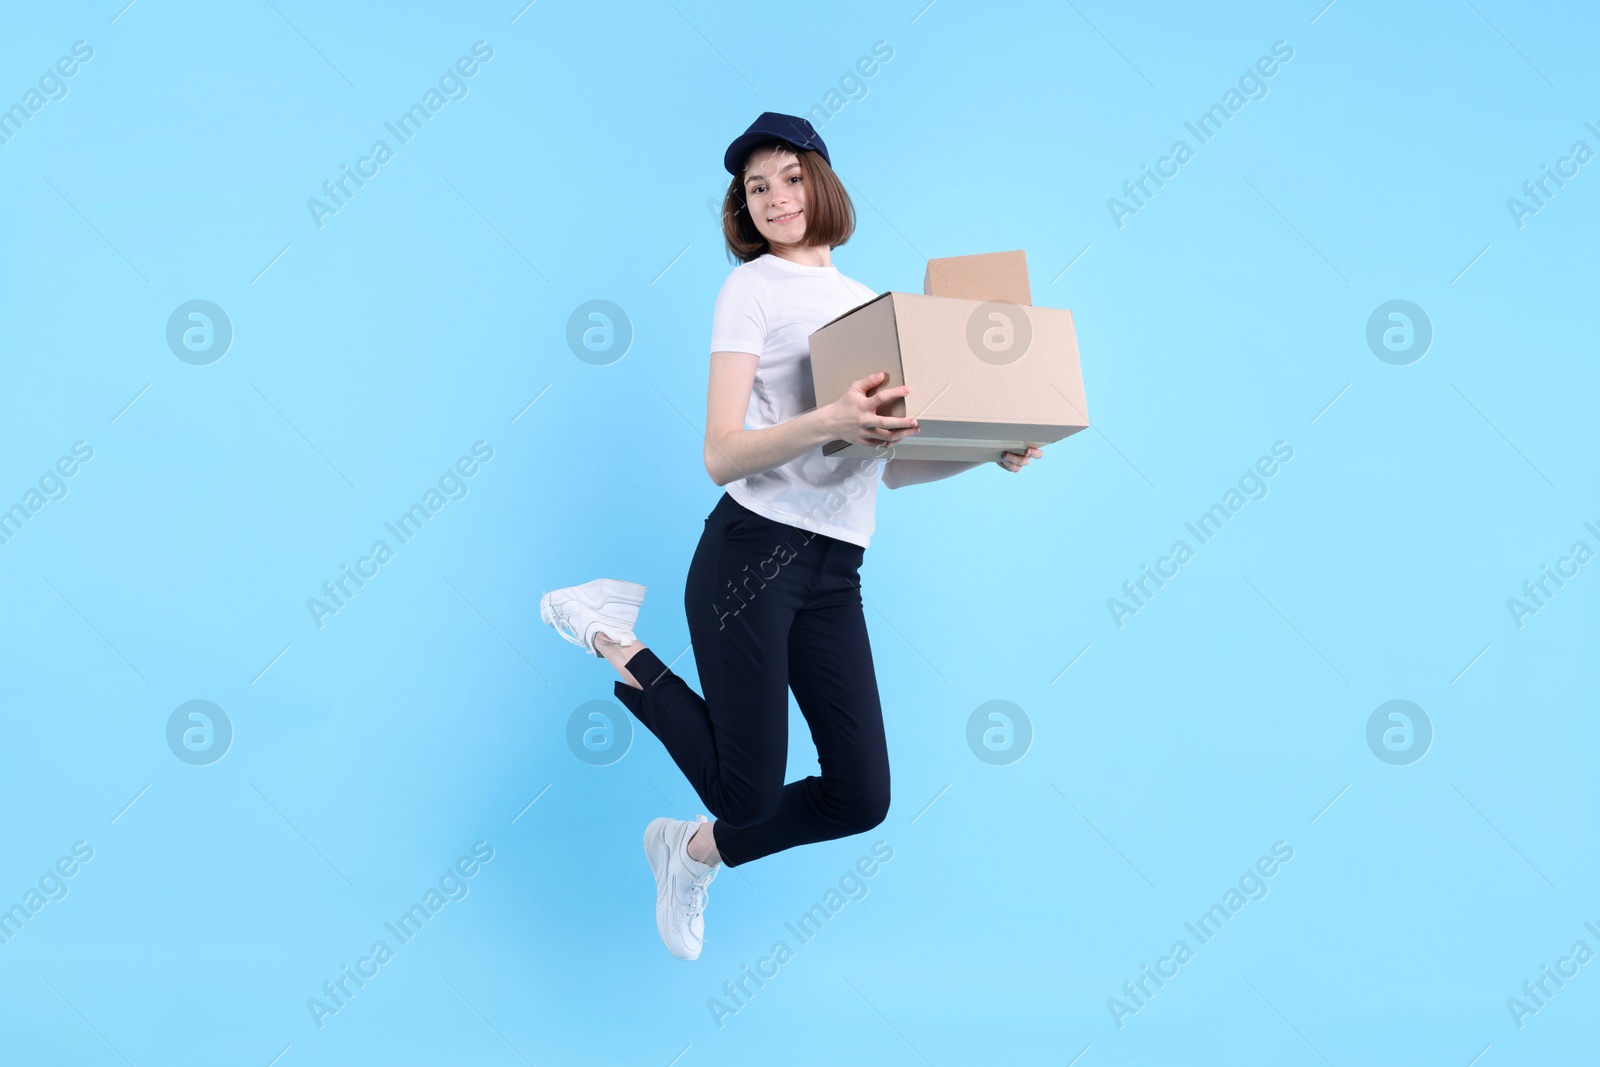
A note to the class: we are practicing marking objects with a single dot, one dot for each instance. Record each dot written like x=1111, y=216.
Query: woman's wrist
x=821, y=425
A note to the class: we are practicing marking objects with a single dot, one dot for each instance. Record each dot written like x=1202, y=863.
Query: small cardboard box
x=993, y=276
x=989, y=372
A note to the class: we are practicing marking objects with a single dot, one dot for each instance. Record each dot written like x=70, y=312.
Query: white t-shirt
x=770, y=306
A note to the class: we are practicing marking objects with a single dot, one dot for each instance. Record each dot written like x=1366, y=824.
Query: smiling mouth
x=785, y=218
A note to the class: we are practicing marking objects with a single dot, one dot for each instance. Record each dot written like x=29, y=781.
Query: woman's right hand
x=856, y=418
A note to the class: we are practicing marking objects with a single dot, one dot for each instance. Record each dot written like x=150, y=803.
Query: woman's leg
x=831, y=672
x=703, y=845
x=745, y=582
x=618, y=656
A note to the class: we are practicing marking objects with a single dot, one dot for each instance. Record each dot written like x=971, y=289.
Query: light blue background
x=1229, y=313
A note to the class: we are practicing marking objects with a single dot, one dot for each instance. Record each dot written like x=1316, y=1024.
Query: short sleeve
x=739, y=323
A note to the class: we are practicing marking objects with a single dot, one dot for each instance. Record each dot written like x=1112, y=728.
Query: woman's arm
x=731, y=451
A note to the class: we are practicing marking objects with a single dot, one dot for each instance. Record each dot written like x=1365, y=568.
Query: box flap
x=852, y=311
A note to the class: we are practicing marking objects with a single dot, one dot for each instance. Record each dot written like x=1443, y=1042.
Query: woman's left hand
x=1015, y=461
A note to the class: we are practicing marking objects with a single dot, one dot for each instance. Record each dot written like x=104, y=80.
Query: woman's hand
x=855, y=415
x=1015, y=461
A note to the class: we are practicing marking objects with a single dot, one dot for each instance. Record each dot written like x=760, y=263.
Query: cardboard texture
x=988, y=374
x=992, y=276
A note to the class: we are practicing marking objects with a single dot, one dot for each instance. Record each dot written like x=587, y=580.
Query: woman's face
x=775, y=190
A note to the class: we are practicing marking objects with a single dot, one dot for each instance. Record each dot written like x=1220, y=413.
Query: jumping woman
x=773, y=593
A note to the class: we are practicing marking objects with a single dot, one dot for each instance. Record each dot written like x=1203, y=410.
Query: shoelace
x=564, y=627
x=697, y=895
x=562, y=621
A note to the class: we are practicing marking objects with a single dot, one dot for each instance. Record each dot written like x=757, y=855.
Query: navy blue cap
x=794, y=131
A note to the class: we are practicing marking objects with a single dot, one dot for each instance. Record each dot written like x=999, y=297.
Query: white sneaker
x=605, y=605
x=680, y=893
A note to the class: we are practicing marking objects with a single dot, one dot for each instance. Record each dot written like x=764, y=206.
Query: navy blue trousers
x=771, y=608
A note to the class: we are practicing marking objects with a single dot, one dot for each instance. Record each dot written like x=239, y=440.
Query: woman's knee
x=867, y=807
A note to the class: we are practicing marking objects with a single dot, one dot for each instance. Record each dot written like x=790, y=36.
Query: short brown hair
x=830, y=216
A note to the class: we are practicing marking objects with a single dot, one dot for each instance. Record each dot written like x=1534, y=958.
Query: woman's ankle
x=618, y=657
x=707, y=849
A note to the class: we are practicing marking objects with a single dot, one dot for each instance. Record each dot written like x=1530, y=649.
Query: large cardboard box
x=989, y=372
